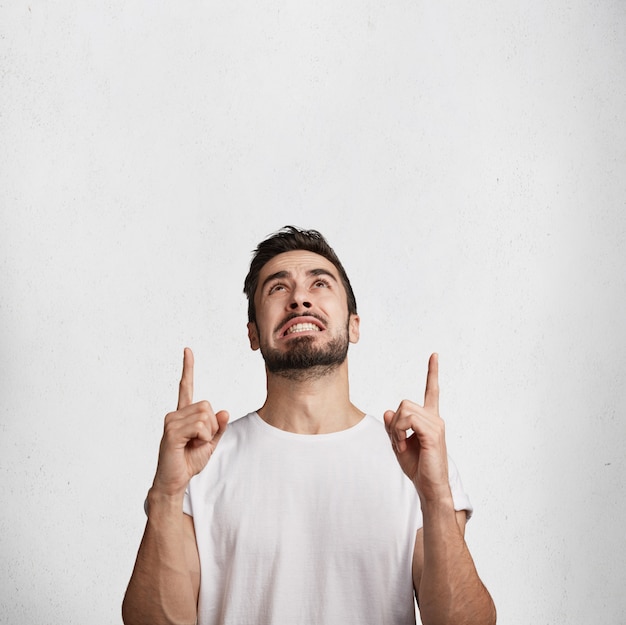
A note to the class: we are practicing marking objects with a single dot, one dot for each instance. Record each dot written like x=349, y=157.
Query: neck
x=318, y=403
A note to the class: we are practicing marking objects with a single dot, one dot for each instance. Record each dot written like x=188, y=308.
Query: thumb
x=388, y=417
x=222, y=420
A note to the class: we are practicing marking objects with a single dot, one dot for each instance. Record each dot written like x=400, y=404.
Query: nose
x=295, y=305
x=299, y=297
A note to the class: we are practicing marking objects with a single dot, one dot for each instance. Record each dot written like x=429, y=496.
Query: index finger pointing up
x=431, y=396
x=185, y=389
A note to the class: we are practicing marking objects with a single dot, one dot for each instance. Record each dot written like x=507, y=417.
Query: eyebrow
x=279, y=275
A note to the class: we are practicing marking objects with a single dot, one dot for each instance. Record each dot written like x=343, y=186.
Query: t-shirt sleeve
x=187, y=508
x=186, y=504
x=459, y=496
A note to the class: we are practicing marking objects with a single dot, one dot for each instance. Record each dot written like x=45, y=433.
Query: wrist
x=164, y=502
x=437, y=501
x=439, y=518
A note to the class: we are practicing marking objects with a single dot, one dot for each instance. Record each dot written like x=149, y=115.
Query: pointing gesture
x=185, y=388
x=431, y=395
x=422, y=454
x=189, y=438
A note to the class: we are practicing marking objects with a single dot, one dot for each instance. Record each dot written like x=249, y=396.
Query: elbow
x=127, y=617
x=484, y=613
x=130, y=614
x=142, y=613
x=493, y=613
x=488, y=609
x=480, y=610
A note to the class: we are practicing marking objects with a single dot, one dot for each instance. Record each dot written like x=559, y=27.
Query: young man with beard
x=302, y=513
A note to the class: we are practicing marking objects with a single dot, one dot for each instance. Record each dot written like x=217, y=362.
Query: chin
x=302, y=354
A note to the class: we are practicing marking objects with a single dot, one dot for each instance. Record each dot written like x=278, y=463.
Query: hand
x=422, y=455
x=189, y=438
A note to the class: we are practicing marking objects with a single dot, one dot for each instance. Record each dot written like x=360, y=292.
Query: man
x=302, y=512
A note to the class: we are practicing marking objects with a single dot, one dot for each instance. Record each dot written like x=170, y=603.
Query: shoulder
x=241, y=426
x=242, y=423
x=239, y=432
x=373, y=428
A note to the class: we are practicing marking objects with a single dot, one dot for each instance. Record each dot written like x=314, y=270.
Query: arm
x=418, y=553
x=166, y=579
x=163, y=589
x=447, y=585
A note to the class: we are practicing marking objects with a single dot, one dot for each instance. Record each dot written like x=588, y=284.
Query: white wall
x=467, y=162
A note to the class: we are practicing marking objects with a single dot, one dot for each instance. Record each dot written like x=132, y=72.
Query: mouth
x=300, y=325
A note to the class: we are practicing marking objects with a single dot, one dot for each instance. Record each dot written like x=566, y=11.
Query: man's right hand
x=189, y=438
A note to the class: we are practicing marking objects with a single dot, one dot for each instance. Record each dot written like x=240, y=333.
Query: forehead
x=296, y=262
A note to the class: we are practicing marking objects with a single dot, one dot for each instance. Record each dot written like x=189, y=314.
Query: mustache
x=291, y=316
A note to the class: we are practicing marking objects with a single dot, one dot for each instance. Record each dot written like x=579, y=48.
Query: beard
x=304, y=360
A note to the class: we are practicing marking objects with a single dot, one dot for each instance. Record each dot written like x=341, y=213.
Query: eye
x=321, y=283
x=274, y=288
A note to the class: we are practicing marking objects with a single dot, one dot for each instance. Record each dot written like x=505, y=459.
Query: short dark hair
x=291, y=239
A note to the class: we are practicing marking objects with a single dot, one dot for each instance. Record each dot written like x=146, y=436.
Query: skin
x=304, y=288
x=290, y=284
x=164, y=586
x=446, y=583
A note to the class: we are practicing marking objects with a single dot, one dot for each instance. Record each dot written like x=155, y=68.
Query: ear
x=353, y=328
x=253, y=336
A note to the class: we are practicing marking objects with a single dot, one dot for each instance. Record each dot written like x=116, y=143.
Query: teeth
x=302, y=327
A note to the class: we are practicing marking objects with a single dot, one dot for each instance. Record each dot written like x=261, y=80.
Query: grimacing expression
x=302, y=326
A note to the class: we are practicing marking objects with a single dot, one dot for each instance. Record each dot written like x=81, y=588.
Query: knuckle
x=406, y=405
x=203, y=418
x=200, y=427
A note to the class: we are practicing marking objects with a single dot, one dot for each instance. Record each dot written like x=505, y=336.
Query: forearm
x=163, y=586
x=449, y=589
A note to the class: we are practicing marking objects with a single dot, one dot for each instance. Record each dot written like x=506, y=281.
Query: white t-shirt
x=297, y=529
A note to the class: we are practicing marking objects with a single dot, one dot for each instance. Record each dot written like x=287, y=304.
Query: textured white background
x=466, y=160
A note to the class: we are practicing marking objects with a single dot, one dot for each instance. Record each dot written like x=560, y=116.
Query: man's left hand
x=422, y=453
